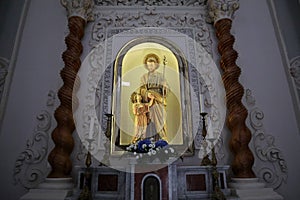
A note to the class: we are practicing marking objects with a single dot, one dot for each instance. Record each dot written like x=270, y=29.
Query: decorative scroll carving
x=59, y=158
x=151, y=17
x=149, y=3
x=243, y=158
x=79, y=8
x=221, y=9
x=51, y=98
x=220, y=152
x=110, y=22
x=271, y=166
x=31, y=165
x=198, y=139
x=100, y=74
x=4, y=63
x=295, y=72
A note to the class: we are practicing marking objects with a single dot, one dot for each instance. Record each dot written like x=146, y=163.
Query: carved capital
x=221, y=9
x=80, y=8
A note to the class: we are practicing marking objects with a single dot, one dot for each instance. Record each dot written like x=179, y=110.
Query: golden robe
x=156, y=84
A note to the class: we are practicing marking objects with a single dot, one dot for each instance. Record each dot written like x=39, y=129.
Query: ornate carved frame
x=185, y=96
x=97, y=79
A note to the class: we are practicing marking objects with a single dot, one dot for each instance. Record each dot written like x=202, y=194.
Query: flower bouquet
x=149, y=149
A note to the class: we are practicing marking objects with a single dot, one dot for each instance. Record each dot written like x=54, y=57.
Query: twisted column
x=59, y=158
x=221, y=12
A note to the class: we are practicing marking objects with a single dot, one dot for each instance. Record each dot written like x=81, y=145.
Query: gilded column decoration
x=79, y=12
x=221, y=13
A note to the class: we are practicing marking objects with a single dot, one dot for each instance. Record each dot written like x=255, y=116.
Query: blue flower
x=142, y=146
x=161, y=143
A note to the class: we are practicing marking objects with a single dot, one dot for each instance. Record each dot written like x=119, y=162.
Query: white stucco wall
x=36, y=72
x=263, y=72
x=39, y=63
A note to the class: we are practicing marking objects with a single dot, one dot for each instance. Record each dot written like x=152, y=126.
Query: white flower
x=149, y=153
x=172, y=150
x=166, y=151
x=153, y=152
x=137, y=157
x=141, y=155
x=144, y=146
x=152, y=145
x=134, y=153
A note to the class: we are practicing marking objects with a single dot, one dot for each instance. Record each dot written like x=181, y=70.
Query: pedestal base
x=252, y=189
x=51, y=189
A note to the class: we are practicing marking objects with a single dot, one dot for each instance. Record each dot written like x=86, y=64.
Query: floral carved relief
x=271, y=166
x=179, y=19
x=81, y=8
x=149, y=2
x=31, y=165
x=109, y=22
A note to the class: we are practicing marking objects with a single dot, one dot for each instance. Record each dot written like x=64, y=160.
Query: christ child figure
x=140, y=111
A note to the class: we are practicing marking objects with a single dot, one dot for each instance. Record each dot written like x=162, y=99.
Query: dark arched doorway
x=151, y=188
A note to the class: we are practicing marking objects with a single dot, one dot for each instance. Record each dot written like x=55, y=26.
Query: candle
x=91, y=128
x=108, y=103
x=201, y=102
x=209, y=127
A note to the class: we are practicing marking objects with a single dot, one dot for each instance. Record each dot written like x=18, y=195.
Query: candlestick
x=204, y=131
x=205, y=161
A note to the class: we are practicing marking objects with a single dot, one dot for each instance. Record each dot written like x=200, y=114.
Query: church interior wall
x=37, y=68
x=263, y=73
